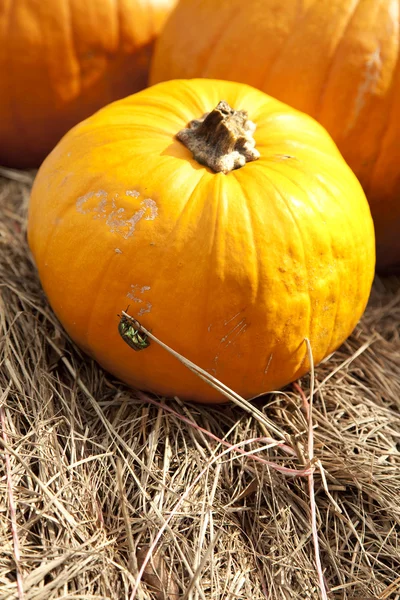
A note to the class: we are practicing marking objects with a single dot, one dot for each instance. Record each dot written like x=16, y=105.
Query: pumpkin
x=60, y=61
x=338, y=61
x=228, y=222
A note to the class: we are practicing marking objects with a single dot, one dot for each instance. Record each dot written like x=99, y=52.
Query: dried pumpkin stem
x=222, y=139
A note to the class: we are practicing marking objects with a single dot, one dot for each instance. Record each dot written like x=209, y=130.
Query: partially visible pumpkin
x=61, y=60
x=233, y=269
x=337, y=60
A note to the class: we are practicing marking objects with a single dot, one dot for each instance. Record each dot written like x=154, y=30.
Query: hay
x=91, y=471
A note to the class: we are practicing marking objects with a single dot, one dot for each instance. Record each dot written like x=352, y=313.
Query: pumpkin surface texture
x=337, y=60
x=233, y=269
x=61, y=60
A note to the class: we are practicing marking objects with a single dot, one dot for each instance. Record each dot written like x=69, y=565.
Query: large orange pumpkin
x=61, y=60
x=232, y=262
x=337, y=60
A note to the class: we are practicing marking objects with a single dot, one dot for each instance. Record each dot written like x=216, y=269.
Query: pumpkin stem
x=222, y=139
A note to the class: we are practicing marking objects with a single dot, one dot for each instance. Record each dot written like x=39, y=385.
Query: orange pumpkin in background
x=60, y=61
x=234, y=230
x=337, y=60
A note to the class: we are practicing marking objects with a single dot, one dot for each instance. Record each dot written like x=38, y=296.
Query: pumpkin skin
x=338, y=61
x=231, y=270
x=60, y=61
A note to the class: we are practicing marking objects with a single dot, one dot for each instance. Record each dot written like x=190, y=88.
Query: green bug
x=135, y=338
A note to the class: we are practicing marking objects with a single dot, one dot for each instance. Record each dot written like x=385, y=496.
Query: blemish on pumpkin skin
x=283, y=156
x=135, y=294
x=268, y=364
x=84, y=199
x=266, y=368
x=100, y=208
x=117, y=218
x=234, y=317
x=118, y=251
x=126, y=227
x=231, y=337
x=235, y=331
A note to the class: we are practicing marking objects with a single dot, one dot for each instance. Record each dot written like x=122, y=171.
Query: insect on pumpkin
x=132, y=335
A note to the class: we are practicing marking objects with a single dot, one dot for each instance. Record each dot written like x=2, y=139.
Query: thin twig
x=127, y=521
x=274, y=443
x=205, y=558
x=212, y=381
x=311, y=476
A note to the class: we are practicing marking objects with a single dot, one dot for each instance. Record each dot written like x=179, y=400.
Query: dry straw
x=99, y=483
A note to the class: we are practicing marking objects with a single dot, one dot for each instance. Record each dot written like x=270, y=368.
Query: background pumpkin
x=231, y=270
x=339, y=61
x=61, y=60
